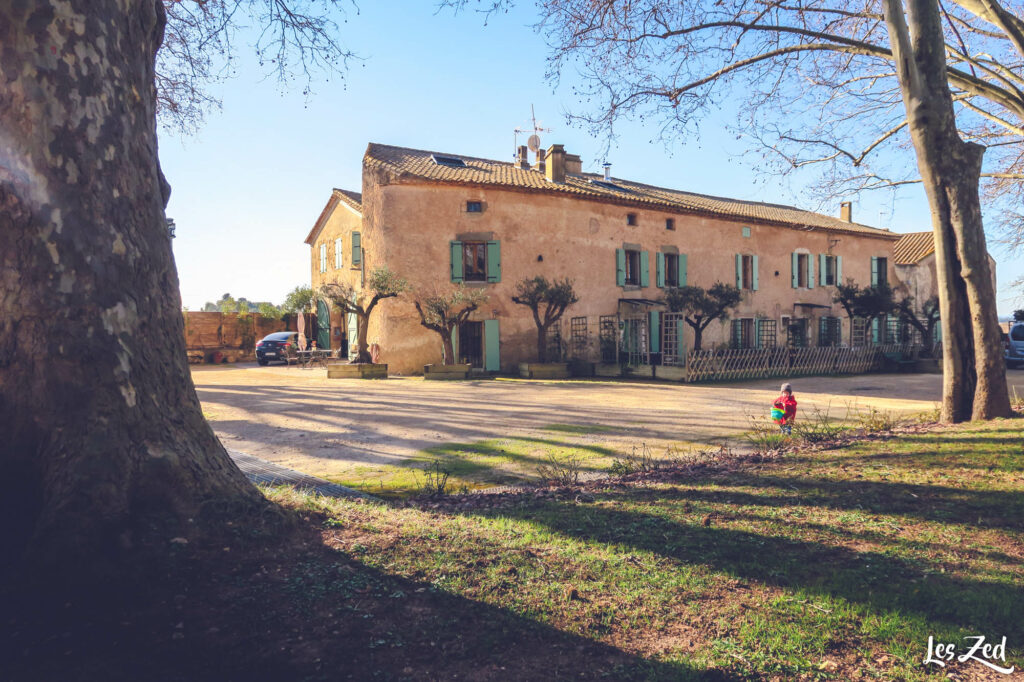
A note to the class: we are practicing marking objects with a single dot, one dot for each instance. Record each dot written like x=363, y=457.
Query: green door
x=492, y=346
x=323, y=325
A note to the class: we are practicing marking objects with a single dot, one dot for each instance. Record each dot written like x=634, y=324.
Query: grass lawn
x=824, y=564
x=485, y=463
x=816, y=565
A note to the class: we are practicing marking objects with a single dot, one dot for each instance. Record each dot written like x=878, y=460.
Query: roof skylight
x=450, y=161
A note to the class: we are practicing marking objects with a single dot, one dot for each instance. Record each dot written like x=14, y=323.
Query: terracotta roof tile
x=352, y=199
x=912, y=247
x=417, y=165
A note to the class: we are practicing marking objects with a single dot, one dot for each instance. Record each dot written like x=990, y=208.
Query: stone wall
x=232, y=335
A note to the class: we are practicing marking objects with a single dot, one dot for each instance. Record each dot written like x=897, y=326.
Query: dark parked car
x=1014, y=343
x=276, y=346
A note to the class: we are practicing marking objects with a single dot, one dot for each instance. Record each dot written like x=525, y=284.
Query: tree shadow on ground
x=875, y=579
x=284, y=606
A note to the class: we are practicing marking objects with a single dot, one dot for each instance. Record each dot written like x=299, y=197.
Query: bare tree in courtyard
x=846, y=87
x=361, y=301
x=102, y=430
x=923, y=320
x=702, y=306
x=555, y=297
x=444, y=312
x=868, y=303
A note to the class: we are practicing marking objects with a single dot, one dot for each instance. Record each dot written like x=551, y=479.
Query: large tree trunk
x=448, y=347
x=101, y=427
x=542, y=344
x=974, y=376
x=362, y=345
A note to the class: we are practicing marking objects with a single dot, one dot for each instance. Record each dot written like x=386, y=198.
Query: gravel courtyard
x=331, y=428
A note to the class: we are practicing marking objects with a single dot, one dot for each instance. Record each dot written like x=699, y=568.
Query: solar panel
x=608, y=185
x=451, y=161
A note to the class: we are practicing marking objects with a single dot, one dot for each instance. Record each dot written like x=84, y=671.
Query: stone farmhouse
x=438, y=219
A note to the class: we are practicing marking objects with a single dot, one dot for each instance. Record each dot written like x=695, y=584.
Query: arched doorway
x=323, y=325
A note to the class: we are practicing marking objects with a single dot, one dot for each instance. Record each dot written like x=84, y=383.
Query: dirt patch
x=331, y=427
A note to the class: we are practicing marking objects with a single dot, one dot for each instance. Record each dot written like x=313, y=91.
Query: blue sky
x=248, y=187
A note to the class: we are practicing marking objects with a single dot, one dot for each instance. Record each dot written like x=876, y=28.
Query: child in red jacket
x=784, y=409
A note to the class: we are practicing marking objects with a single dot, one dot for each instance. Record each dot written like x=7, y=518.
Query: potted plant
x=444, y=312
x=381, y=284
x=548, y=301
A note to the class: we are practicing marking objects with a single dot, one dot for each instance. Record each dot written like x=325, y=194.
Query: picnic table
x=311, y=358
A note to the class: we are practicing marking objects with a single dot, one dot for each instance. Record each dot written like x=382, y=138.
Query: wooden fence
x=762, y=363
x=623, y=340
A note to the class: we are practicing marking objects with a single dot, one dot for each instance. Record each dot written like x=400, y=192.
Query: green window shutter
x=737, y=331
x=839, y=270
x=455, y=344
x=810, y=272
x=874, y=330
x=492, y=346
x=757, y=332
x=682, y=269
x=874, y=271
x=645, y=269
x=754, y=266
x=739, y=271
x=620, y=267
x=456, y=263
x=655, y=331
x=357, y=249
x=659, y=269
x=494, y=261
x=796, y=266
x=823, y=269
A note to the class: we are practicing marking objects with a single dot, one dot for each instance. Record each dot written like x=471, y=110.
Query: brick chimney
x=523, y=157
x=846, y=212
x=573, y=164
x=555, y=171
x=540, y=161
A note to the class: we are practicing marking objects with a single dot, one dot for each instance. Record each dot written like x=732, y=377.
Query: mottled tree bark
x=101, y=427
x=974, y=374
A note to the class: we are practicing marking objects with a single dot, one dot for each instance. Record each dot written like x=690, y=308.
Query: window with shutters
x=747, y=273
x=829, y=277
x=357, y=249
x=743, y=333
x=802, y=263
x=337, y=253
x=797, y=333
x=632, y=267
x=671, y=269
x=829, y=331
x=474, y=261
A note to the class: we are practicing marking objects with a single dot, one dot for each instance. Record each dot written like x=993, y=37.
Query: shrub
x=435, y=479
x=765, y=436
x=561, y=470
x=819, y=427
x=874, y=420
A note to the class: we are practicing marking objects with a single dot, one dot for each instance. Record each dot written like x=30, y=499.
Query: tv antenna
x=532, y=142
